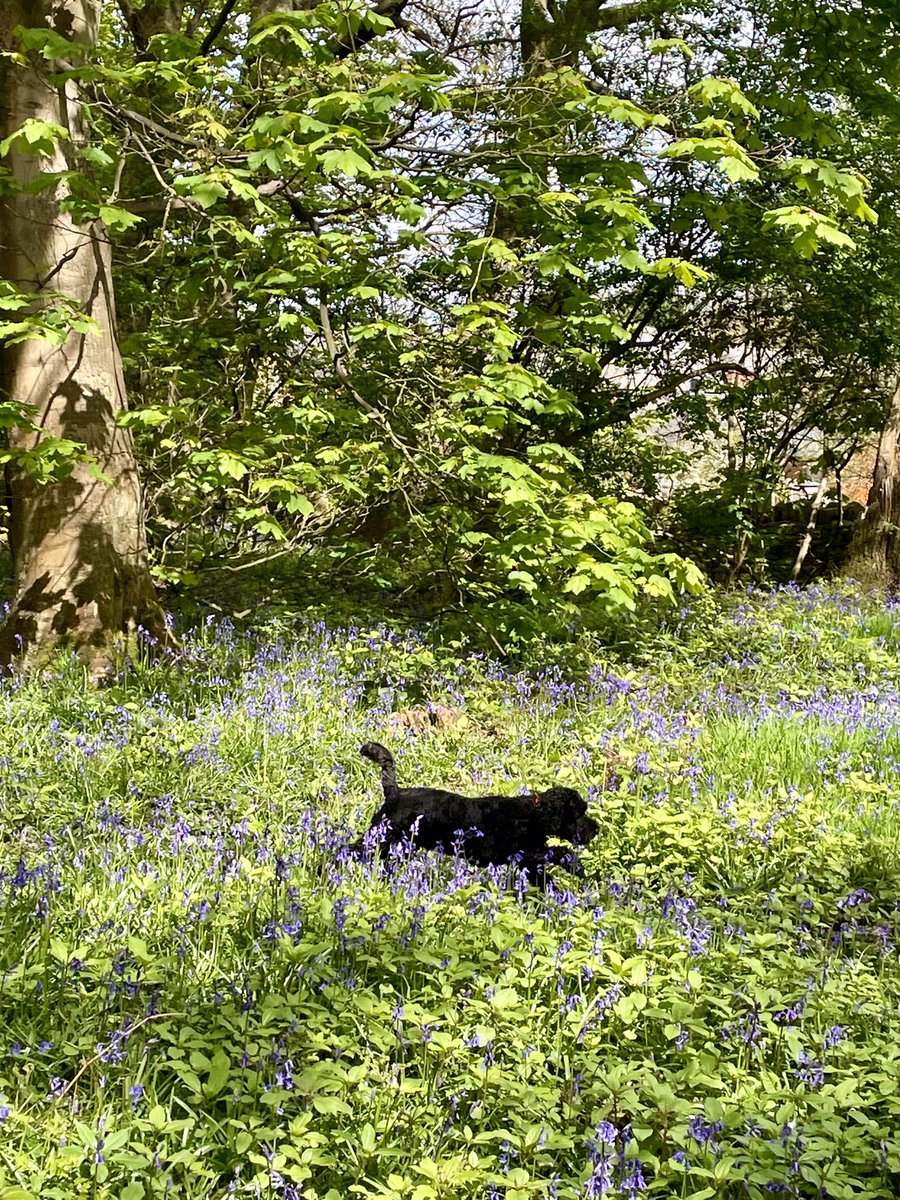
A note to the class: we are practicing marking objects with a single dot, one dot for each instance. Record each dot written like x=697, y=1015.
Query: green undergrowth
x=204, y=994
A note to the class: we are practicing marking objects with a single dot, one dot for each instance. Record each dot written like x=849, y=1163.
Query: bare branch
x=622, y=15
x=335, y=355
x=216, y=28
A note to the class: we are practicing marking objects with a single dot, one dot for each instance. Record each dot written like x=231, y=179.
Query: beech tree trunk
x=874, y=555
x=78, y=544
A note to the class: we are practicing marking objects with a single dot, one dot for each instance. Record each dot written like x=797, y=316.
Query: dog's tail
x=382, y=756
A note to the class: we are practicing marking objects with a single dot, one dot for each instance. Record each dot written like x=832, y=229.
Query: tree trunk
x=818, y=504
x=78, y=544
x=874, y=555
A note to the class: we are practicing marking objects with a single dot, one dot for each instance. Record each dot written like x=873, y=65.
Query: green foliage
x=204, y=995
x=716, y=517
x=49, y=317
x=361, y=358
x=389, y=298
x=35, y=138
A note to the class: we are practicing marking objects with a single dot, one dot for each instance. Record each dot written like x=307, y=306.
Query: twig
x=90, y=1062
x=120, y=167
x=261, y=562
x=335, y=355
x=172, y=196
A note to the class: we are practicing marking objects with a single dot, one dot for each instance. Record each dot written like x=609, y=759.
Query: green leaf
x=376, y=21
x=807, y=228
x=117, y=219
x=738, y=167
x=139, y=948
x=344, y=162
x=202, y=188
x=35, y=137
x=331, y=1105
x=725, y=92
x=524, y=579
x=218, y=1074
x=577, y=584
x=664, y=45
x=268, y=526
x=49, y=44
x=231, y=465
x=158, y=1117
x=96, y=156
x=146, y=416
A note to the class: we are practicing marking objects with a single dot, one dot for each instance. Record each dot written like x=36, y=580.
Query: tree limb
x=392, y=9
x=622, y=15
x=216, y=28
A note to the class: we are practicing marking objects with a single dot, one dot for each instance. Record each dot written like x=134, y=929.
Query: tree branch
x=392, y=9
x=622, y=15
x=216, y=28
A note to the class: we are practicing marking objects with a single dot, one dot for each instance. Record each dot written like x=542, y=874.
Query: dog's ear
x=551, y=808
x=563, y=806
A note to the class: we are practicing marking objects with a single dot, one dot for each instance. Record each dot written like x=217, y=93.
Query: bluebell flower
x=809, y=1071
x=606, y=1133
x=833, y=1037
x=599, y=1182
x=705, y=1134
x=633, y=1181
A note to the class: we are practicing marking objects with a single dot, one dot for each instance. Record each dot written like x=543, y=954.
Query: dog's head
x=586, y=828
x=377, y=753
x=566, y=814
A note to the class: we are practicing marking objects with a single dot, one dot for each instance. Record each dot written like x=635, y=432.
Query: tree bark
x=552, y=34
x=819, y=501
x=874, y=555
x=156, y=16
x=78, y=544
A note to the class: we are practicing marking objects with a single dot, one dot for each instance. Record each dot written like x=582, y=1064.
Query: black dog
x=486, y=829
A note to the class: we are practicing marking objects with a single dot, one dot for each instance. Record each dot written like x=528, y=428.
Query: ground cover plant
x=205, y=995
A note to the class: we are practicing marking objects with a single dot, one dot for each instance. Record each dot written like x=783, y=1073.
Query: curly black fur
x=486, y=829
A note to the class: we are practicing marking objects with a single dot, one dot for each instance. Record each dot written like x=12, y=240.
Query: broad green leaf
x=344, y=162
x=118, y=219
x=35, y=137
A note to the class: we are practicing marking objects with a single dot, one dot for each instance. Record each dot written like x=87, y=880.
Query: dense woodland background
x=503, y=315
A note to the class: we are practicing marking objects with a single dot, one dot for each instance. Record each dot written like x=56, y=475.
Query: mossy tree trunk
x=78, y=543
x=874, y=555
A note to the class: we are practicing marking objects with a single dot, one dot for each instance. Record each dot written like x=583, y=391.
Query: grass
x=203, y=995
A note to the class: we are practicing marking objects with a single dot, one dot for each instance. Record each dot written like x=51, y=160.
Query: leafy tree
x=387, y=277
